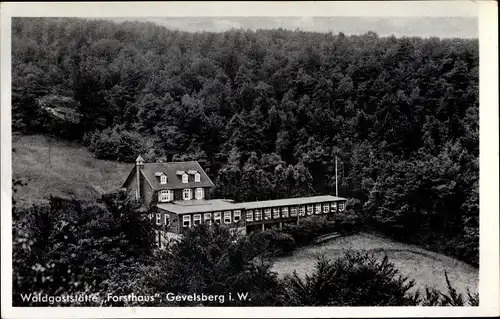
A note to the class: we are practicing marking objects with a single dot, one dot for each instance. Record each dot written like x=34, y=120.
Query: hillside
x=425, y=267
x=51, y=166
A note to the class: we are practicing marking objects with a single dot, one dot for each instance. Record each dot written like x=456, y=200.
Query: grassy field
x=425, y=267
x=60, y=168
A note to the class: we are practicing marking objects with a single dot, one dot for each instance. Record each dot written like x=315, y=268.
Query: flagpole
x=336, y=178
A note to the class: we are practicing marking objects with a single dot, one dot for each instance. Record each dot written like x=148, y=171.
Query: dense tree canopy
x=267, y=111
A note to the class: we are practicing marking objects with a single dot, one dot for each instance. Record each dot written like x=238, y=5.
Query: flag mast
x=336, y=178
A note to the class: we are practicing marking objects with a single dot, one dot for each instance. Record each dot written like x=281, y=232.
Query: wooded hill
x=267, y=111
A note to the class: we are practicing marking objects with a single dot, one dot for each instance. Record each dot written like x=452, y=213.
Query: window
x=185, y=178
x=302, y=210
x=217, y=217
x=186, y=221
x=164, y=196
x=326, y=208
x=186, y=194
x=166, y=219
x=276, y=213
x=237, y=216
x=258, y=214
x=163, y=179
x=341, y=207
x=197, y=219
x=334, y=207
x=158, y=219
x=249, y=215
x=197, y=177
x=227, y=217
x=199, y=193
x=207, y=218
x=318, y=209
x=284, y=212
x=309, y=209
x=267, y=213
x=293, y=211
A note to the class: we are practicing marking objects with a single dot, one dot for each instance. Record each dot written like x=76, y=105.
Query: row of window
x=166, y=219
x=185, y=178
x=208, y=218
x=168, y=195
x=259, y=214
x=292, y=211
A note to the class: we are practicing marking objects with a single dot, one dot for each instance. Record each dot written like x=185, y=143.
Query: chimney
x=139, y=164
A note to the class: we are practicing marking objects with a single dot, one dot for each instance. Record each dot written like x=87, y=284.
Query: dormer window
x=163, y=179
x=185, y=178
x=197, y=177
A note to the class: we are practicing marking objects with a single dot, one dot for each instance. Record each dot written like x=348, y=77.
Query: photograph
x=228, y=161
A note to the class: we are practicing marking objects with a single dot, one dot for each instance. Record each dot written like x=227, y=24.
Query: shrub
x=352, y=280
x=76, y=247
x=274, y=242
x=309, y=228
x=213, y=261
x=347, y=221
x=116, y=144
x=434, y=297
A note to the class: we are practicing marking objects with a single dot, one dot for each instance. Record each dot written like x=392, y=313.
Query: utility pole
x=336, y=179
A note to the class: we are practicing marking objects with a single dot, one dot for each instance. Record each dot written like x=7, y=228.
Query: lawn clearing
x=425, y=267
x=51, y=166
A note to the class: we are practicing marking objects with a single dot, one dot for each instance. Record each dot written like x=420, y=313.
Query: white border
x=489, y=219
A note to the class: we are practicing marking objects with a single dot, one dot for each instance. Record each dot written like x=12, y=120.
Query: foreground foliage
x=72, y=247
x=354, y=280
x=76, y=247
x=214, y=262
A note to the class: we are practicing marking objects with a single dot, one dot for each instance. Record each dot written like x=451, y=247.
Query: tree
x=75, y=247
x=212, y=261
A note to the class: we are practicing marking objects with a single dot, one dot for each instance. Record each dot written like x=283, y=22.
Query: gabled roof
x=171, y=169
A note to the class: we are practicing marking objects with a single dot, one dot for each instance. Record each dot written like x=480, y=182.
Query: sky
x=443, y=27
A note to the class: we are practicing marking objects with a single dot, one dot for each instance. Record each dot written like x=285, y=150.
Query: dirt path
x=425, y=267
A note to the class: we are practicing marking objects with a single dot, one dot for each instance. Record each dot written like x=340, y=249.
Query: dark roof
x=200, y=206
x=174, y=181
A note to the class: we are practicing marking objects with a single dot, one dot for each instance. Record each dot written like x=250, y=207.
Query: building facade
x=180, y=191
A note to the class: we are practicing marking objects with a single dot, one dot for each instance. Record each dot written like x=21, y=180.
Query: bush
x=309, y=228
x=352, y=280
x=116, y=144
x=274, y=242
x=213, y=261
x=434, y=297
x=77, y=247
x=347, y=221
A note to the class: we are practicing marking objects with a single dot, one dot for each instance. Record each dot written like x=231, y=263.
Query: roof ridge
x=177, y=162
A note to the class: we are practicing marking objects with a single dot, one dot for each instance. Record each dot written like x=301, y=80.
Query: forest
x=266, y=112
